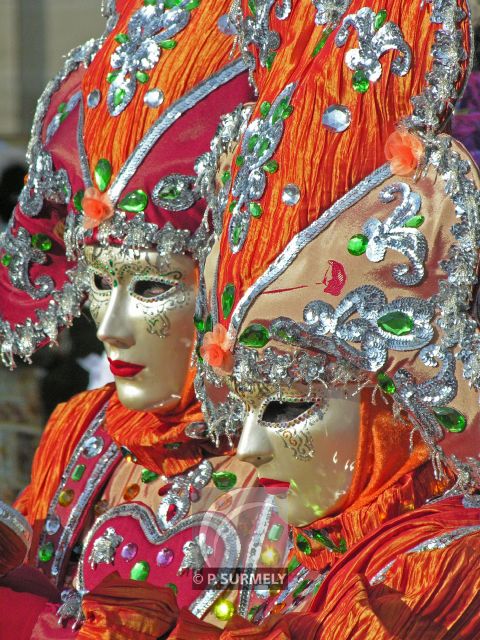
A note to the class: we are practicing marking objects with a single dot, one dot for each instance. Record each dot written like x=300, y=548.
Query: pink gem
x=129, y=551
x=164, y=557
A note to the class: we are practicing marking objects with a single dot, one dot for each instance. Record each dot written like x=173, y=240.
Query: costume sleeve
x=119, y=609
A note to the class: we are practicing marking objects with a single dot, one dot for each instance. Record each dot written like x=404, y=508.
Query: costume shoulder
x=63, y=431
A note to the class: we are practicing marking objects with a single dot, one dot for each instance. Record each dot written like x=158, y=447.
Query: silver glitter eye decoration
x=337, y=118
x=93, y=98
x=154, y=98
x=290, y=195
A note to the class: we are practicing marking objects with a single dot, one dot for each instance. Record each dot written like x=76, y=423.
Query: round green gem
x=199, y=324
x=228, y=298
x=226, y=177
x=232, y=206
x=255, y=209
x=265, y=108
x=414, y=222
x=173, y=587
x=140, y=571
x=396, y=323
x=6, y=259
x=451, y=419
x=223, y=609
x=42, y=242
x=224, y=480
x=271, y=166
x=112, y=76
x=122, y=38
x=103, y=173
x=303, y=544
x=240, y=161
x=357, y=245
x=236, y=234
x=380, y=18
x=135, y=201
x=385, y=383
x=252, y=141
x=149, y=476
x=255, y=335
x=360, y=82
x=46, y=551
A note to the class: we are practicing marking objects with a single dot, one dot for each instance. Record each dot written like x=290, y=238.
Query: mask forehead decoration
x=370, y=268
x=112, y=160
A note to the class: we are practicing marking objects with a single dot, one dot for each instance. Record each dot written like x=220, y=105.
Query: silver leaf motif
x=43, y=183
x=373, y=44
x=195, y=554
x=393, y=234
x=105, y=548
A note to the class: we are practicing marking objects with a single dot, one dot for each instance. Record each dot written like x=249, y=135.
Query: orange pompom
x=97, y=207
x=216, y=349
x=404, y=151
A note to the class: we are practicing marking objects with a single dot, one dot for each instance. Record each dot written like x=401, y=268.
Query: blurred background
x=34, y=37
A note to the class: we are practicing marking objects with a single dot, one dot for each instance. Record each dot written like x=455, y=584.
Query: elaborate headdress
x=350, y=243
x=112, y=157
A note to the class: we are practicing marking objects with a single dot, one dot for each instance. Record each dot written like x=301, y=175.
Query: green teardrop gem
x=270, y=60
x=282, y=111
x=199, y=324
x=264, y=146
x=61, y=107
x=301, y=587
x=149, y=476
x=142, y=76
x=209, y=323
x=252, y=612
x=46, y=551
x=293, y=564
x=232, y=206
x=385, y=383
x=173, y=587
x=78, y=472
x=396, y=323
x=451, y=419
x=253, y=7
x=265, y=108
x=255, y=209
x=357, y=245
x=380, y=18
x=193, y=4
x=303, y=544
x=228, y=297
x=112, y=76
x=226, y=176
x=140, y=571
x=255, y=335
x=360, y=82
x=236, y=234
x=168, y=44
x=122, y=38
x=135, y=201
x=6, y=259
x=118, y=96
x=271, y=166
x=103, y=173
x=77, y=200
x=240, y=161
x=42, y=242
x=322, y=42
x=414, y=222
x=224, y=480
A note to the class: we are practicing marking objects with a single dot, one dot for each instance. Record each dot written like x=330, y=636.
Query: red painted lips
x=122, y=369
x=274, y=487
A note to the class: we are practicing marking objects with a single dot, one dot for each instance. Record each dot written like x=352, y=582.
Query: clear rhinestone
x=196, y=430
x=337, y=118
x=93, y=447
x=226, y=25
x=52, y=525
x=290, y=195
x=93, y=98
x=154, y=98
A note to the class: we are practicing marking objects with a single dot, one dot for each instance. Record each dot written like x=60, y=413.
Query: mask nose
x=115, y=328
x=254, y=445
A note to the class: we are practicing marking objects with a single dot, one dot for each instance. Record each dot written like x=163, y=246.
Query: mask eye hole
x=101, y=283
x=149, y=289
x=276, y=412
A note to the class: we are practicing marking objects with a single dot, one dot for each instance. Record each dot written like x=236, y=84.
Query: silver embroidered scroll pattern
x=373, y=43
x=329, y=12
x=22, y=254
x=333, y=329
x=256, y=30
x=43, y=183
x=259, y=144
x=393, y=234
x=175, y=192
x=140, y=49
